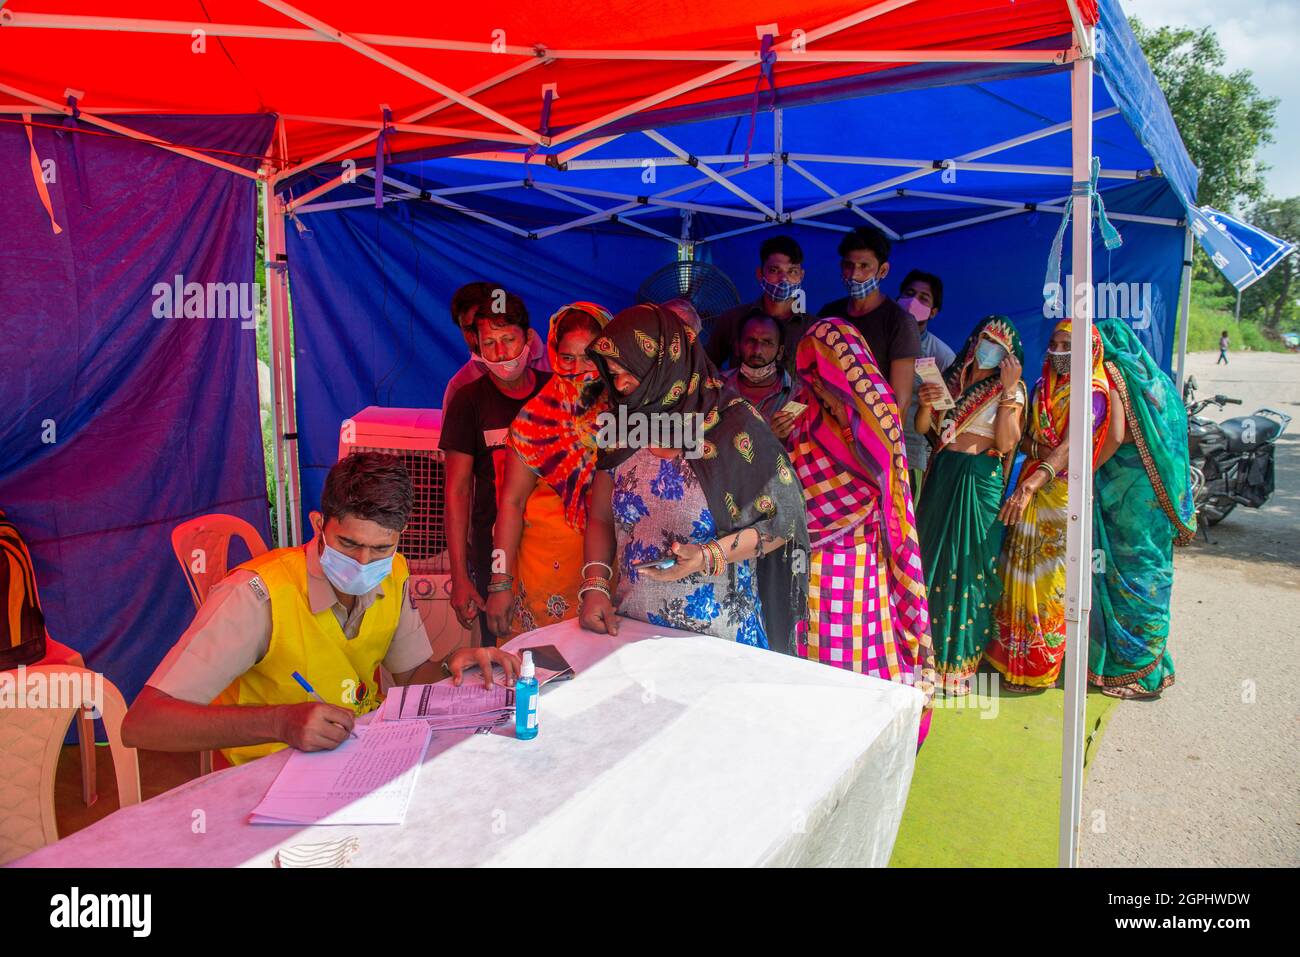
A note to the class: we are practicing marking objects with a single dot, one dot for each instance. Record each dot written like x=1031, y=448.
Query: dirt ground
x=1207, y=775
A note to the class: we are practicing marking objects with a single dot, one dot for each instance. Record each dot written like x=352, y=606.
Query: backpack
x=22, y=624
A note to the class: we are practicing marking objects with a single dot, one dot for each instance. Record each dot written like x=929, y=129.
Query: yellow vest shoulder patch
x=259, y=588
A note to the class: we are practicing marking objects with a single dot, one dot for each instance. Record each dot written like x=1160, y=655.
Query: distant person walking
x=1223, y=348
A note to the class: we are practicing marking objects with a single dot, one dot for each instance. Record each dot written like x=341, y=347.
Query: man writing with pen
x=286, y=648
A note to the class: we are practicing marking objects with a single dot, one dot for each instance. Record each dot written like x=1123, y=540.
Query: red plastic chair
x=202, y=546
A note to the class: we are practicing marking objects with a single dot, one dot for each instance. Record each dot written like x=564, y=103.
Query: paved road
x=1207, y=775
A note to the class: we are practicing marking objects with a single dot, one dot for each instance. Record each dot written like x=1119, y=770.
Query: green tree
x=1272, y=300
x=1223, y=118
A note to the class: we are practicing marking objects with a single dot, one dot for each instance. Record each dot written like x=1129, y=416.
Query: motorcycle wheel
x=1218, y=510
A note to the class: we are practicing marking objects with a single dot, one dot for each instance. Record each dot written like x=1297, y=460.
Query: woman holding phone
x=702, y=514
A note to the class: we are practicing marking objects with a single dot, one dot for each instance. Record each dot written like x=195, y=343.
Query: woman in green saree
x=1142, y=506
x=957, y=520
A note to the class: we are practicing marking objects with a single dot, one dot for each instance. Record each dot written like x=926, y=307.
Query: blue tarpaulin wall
x=119, y=425
x=156, y=420
x=371, y=286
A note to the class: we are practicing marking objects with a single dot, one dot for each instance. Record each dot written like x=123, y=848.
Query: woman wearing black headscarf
x=697, y=477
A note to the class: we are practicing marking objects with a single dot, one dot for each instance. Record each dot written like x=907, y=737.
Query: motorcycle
x=1232, y=461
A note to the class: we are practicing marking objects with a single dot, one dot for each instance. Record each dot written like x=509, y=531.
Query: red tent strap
x=37, y=176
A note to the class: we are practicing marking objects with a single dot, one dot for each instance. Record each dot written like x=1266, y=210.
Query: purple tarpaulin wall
x=117, y=425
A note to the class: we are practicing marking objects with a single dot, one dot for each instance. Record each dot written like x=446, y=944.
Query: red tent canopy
x=475, y=71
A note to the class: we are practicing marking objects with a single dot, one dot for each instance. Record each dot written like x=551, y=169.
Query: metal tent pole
x=1078, y=585
x=289, y=411
x=1184, y=308
x=273, y=328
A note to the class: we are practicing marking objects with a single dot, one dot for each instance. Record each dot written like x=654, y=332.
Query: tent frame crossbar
x=94, y=119
x=57, y=21
x=830, y=191
x=940, y=164
x=846, y=198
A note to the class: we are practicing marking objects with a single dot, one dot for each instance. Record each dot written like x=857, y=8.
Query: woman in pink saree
x=867, y=609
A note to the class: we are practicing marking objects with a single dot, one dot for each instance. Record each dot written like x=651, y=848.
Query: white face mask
x=507, y=369
x=757, y=373
x=502, y=370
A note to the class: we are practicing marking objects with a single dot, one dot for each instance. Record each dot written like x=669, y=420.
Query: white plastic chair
x=205, y=541
x=30, y=741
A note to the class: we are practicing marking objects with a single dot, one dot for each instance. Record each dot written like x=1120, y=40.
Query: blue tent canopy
x=966, y=166
x=1243, y=253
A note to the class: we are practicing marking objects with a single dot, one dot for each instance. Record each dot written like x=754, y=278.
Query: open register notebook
x=366, y=780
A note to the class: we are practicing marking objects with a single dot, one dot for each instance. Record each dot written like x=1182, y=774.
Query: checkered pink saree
x=872, y=603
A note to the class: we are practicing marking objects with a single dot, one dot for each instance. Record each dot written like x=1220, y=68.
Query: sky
x=1262, y=36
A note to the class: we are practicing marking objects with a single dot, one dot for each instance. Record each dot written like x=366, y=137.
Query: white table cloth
x=667, y=749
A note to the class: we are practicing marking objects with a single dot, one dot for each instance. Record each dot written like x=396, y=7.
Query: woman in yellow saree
x=1029, y=638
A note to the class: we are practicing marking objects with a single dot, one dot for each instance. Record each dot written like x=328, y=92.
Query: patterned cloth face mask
x=1060, y=362
x=861, y=290
x=782, y=291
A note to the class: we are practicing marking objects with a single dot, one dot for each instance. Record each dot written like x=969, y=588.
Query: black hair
x=512, y=311
x=780, y=244
x=574, y=320
x=866, y=237
x=370, y=485
x=930, y=279
x=759, y=314
x=471, y=294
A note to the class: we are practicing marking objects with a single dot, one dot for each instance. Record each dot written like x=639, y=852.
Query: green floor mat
x=986, y=791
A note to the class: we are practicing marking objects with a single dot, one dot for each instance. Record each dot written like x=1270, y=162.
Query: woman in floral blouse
x=715, y=496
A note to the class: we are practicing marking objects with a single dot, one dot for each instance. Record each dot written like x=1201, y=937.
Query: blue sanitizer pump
x=526, y=694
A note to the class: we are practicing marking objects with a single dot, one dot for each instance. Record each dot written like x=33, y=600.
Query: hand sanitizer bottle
x=526, y=693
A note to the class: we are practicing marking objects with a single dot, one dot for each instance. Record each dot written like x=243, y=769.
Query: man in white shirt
x=922, y=296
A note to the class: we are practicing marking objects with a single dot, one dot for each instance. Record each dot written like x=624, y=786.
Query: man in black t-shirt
x=890, y=331
x=474, y=430
x=780, y=277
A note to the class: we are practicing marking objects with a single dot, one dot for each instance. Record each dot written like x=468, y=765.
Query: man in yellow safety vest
x=332, y=611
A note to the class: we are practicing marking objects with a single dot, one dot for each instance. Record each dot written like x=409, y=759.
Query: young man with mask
x=469, y=301
x=889, y=330
x=332, y=611
x=759, y=374
x=474, y=430
x=923, y=298
x=780, y=276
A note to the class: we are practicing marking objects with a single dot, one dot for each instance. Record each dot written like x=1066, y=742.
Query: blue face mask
x=861, y=290
x=988, y=354
x=782, y=291
x=351, y=577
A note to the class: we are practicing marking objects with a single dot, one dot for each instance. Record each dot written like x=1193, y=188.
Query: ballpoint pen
x=312, y=691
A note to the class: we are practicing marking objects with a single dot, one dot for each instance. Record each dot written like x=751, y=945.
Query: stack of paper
x=365, y=780
x=448, y=707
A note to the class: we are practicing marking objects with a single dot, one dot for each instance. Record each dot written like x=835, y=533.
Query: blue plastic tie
x=1109, y=235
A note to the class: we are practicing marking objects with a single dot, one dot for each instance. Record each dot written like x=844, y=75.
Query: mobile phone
x=666, y=562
